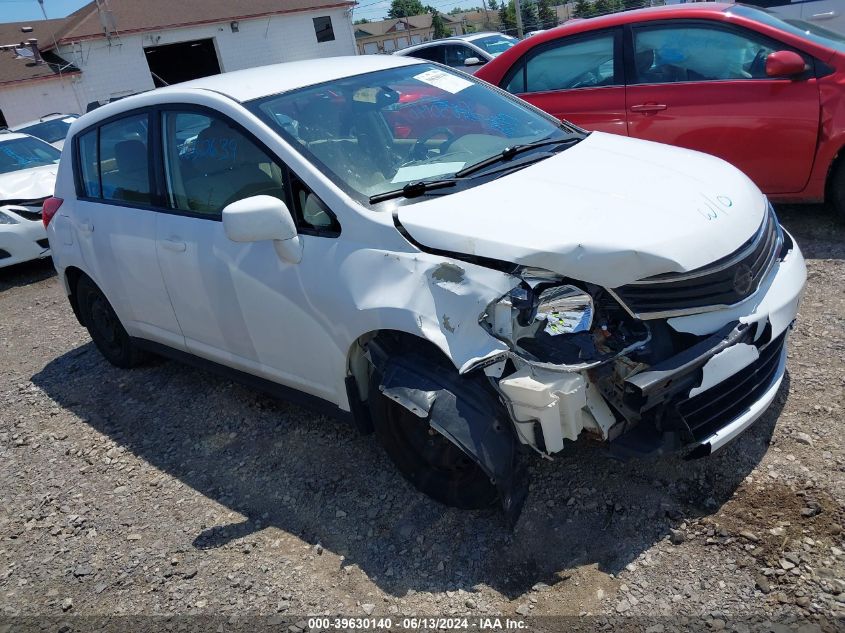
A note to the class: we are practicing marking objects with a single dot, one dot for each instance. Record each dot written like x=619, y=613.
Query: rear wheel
x=104, y=327
x=432, y=463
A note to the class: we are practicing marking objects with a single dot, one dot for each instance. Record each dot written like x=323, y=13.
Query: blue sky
x=21, y=10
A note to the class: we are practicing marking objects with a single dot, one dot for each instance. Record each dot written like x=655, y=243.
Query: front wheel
x=432, y=463
x=104, y=327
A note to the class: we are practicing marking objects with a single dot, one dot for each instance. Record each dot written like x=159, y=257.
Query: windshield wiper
x=412, y=190
x=509, y=152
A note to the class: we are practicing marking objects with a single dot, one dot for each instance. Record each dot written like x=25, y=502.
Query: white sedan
x=28, y=169
x=411, y=249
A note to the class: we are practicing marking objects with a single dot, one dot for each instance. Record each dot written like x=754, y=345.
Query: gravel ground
x=166, y=490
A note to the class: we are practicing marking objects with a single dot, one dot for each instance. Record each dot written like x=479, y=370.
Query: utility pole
x=486, y=15
x=516, y=6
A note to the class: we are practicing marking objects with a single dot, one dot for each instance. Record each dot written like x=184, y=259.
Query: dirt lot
x=165, y=490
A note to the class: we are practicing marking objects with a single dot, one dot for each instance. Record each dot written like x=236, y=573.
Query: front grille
x=43, y=243
x=710, y=410
x=723, y=283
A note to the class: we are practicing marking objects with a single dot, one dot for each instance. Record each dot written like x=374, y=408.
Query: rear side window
x=114, y=161
x=209, y=164
x=566, y=65
x=431, y=53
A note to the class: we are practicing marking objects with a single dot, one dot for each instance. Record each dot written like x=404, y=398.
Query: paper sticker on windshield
x=418, y=172
x=366, y=95
x=444, y=81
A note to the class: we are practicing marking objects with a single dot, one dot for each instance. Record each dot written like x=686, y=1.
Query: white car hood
x=28, y=184
x=609, y=210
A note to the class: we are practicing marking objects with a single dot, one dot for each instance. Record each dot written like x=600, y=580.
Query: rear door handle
x=648, y=107
x=823, y=16
x=173, y=245
x=85, y=227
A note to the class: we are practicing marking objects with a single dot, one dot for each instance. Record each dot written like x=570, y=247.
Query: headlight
x=7, y=219
x=565, y=309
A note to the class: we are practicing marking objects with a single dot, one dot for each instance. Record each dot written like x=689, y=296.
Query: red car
x=763, y=93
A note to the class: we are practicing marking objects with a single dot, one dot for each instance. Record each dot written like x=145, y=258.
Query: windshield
x=50, y=131
x=495, y=44
x=24, y=153
x=376, y=132
x=803, y=29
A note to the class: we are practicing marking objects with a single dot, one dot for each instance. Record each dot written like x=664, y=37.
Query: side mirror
x=260, y=218
x=784, y=64
x=473, y=61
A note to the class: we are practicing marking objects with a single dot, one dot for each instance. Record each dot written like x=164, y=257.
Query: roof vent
x=36, y=54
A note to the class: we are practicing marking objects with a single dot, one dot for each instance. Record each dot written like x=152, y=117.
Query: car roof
x=262, y=81
x=12, y=136
x=46, y=117
x=467, y=37
x=667, y=11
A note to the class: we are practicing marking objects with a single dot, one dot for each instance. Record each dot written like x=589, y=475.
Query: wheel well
x=72, y=277
x=831, y=172
x=358, y=367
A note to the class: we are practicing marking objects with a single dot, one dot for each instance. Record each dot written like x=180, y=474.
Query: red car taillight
x=48, y=210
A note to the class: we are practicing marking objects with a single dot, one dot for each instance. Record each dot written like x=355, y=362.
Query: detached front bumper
x=24, y=241
x=699, y=399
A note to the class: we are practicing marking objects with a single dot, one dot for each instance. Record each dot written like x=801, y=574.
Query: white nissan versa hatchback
x=424, y=254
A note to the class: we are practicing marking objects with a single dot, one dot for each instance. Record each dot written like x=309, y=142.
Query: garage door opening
x=172, y=63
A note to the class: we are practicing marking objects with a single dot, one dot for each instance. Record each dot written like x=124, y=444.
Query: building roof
x=132, y=16
x=381, y=27
x=14, y=68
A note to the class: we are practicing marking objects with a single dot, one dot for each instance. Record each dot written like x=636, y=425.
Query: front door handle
x=173, y=245
x=823, y=16
x=648, y=107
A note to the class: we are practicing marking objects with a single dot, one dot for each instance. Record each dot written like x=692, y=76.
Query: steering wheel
x=420, y=149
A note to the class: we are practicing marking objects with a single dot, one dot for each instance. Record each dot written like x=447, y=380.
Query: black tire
x=105, y=328
x=836, y=191
x=433, y=464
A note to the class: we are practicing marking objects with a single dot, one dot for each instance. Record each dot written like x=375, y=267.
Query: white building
x=113, y=48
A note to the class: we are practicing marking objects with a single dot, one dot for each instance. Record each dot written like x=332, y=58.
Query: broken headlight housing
x=7, y=219
x=548, y=319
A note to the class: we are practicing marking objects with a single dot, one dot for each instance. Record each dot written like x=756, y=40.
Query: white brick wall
x=120, y=68
x=32, y=99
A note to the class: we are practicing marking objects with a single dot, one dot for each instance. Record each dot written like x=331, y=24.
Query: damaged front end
x=680, y=361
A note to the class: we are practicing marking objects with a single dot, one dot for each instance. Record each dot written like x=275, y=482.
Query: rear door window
x=114, y=161
x=587, y=62
x=124, y=160
x=430, y=53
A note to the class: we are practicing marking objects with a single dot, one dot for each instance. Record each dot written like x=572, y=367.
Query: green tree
x=494, y=6
x=439, y=25
x=507, y=16
x=404, y=8
x=583, y=9
x=362, y=21
x=530, y=16
x=602, y=7
x=547, y=14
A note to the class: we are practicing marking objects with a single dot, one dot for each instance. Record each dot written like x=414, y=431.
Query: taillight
x=51, y=205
